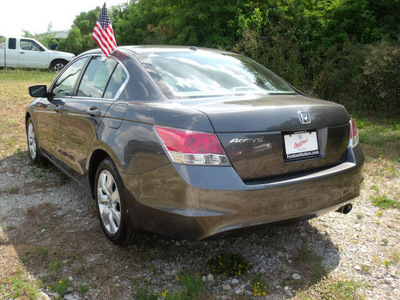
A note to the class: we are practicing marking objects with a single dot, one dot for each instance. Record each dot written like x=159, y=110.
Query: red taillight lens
x=191, y=147
x=354, y=138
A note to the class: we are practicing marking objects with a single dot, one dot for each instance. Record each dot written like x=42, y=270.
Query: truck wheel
x=58, y=65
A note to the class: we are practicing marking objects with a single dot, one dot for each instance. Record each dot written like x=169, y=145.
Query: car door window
x=30, y=45
x=66, y=82
x=96, y=77
x=116, y=81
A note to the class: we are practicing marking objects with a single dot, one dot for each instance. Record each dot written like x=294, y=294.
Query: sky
x=36, y=15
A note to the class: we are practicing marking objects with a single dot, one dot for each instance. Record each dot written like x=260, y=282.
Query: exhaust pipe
x=345, y=209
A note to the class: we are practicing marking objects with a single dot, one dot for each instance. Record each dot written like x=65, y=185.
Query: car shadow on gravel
x=52, y=225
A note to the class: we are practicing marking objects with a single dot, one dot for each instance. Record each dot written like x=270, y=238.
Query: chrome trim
x=304, y=117
x=90, y=56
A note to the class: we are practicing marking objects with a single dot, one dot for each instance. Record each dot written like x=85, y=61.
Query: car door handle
x=94, y=111
x=22, y=52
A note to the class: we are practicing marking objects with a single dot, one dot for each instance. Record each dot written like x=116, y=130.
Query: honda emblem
x=304, y=117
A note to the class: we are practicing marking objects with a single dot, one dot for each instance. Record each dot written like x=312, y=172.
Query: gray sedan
x=191, y=142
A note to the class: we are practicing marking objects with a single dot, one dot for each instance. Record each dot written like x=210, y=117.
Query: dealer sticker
x=301, y=144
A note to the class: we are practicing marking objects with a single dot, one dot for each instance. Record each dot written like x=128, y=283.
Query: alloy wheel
x=109, y=202
x=32, y=141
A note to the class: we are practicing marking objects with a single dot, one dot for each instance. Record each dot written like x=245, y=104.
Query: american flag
x=103, y=33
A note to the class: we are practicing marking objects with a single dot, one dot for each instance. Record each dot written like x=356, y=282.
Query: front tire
x=58, y=65
x=33, y=146
x=112, y=206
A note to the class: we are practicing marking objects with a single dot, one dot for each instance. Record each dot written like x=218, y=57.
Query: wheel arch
x=27, y=116
x=54, y=61
x=97, y=157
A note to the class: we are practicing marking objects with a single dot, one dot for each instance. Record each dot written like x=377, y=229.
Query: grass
x=330, y=288
x=380, y=138
x=383, y=202
x=61, y=286
x=14, y=97
x=310, y=265
x=19, y=286
x=259, y=286
x=228, y=264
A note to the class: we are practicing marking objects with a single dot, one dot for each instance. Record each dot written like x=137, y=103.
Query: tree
x=79, y=38
x=47, y=38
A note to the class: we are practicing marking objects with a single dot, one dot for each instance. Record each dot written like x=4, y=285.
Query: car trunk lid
x=257, y=133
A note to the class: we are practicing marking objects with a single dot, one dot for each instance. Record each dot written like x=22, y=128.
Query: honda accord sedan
x=191, y=142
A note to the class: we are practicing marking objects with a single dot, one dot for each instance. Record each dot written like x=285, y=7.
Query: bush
x=382, y=75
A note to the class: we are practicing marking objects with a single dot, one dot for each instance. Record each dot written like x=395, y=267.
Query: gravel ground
x=39, y=207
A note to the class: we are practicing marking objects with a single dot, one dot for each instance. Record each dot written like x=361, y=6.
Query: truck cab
x=29, y=53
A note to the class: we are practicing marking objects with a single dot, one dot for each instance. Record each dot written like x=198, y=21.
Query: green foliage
x=331, y=288
x=382, y=76
x=194, y=287
x=175, y=22
x=145, y=294
x=228, y=264
x=383, y=202
x=259, y=285
x=47, y=38
x=61, y=287
x=19, y=287
x=343, y=50
x=310, y=265
x=79, y=38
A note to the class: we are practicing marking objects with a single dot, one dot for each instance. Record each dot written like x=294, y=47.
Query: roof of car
x=156, y=48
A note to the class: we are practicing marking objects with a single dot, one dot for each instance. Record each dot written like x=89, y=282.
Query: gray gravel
x=361, y=245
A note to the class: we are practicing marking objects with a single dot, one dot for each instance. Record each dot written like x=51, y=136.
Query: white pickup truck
x=29, y=53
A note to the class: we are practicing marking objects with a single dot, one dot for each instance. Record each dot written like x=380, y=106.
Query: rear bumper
x=196, y=202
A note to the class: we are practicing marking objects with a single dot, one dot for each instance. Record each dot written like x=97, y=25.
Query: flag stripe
x=103, y=33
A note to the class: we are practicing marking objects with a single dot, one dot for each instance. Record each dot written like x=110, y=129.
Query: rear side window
x=96, y=77
x=66, y=82
x=12, y=43
x=116, y=81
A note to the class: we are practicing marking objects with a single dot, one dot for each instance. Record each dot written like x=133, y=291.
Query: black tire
x=112, y=206
x=58, y=65
x=33, y=145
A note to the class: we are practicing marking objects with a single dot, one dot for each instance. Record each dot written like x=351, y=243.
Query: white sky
x=36, y=15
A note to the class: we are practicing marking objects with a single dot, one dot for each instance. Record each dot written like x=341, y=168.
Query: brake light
x=354, y=138
x=192, y=147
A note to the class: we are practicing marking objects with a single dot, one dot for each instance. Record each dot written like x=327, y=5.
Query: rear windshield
x=206, y=74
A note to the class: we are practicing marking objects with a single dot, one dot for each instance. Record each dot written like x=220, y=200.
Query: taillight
x=354, y=138
x=192, y=147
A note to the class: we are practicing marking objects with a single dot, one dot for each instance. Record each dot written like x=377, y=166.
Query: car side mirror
x=39, y=91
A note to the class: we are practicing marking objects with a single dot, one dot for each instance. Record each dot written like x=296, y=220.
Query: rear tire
x=112, y=206
x=33, y=146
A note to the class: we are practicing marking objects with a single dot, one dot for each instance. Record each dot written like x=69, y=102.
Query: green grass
x=20, y=287
x=14, y=98
x=330, y=288
x=380, y=138
x=13, y=190
x=383, y=202
x=27, y=75
x=228, y=264
x=193, y=284
x=61, y=286
x=259, y=286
